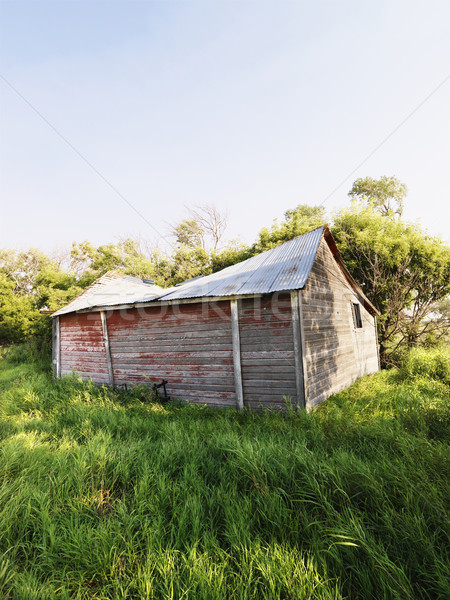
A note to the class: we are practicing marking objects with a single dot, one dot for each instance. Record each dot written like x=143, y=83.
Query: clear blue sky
x=254, y=106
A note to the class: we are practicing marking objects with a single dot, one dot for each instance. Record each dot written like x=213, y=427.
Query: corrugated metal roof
x=113, y=289
x=285, y=267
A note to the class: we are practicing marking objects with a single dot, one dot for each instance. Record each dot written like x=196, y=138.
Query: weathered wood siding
x=267, y=351
x=337, y=353
x=190, y=345
x=82, y=346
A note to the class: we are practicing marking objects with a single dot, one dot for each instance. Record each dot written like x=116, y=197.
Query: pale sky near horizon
x=254, y=106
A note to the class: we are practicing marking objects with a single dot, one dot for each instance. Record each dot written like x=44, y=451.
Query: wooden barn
x=288, y=323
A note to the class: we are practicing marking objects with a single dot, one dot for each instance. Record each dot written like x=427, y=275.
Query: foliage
x=23, y=268
x=385, y=195
x=433, y=363
x=189, y=233
x=404, y=271
x=296, y=222
x=105, y=496
x=233, y=253
x=187, y=263
x=204, y=228
x=29, y=282
x=126, y=256
x=32, y=351
x=18, y=312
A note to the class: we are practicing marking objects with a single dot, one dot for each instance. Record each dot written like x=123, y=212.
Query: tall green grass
x=104, y=495
x=431, y=363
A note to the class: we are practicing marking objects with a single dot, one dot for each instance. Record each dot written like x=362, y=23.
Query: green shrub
x=16, y=353
x=35, y=351
x=428, y=362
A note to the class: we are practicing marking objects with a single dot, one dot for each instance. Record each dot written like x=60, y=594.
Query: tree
x=187, y=263
x=204, y=228
x=23, y=268
x=297, y=221
x=385, y=195
x=234, y=252
x=403, y=270
x=17, y=312
x=81, y=257
x=211, y=221
x=189, y=233
x=30, y=281
x=90, y=263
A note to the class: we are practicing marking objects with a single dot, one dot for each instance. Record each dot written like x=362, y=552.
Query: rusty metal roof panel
x=285, y=267
x=113, y=289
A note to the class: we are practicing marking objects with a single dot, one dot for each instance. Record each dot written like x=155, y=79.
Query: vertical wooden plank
x=376, y=342
x=299, y=369
x=56, y=347
x=306, y=402
x=107, y=348
x=236, y=354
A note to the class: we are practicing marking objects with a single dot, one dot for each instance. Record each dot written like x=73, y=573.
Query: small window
x=356, y=311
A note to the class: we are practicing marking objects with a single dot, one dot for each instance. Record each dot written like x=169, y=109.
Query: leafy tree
x=124, y=256
x=386, y=195
x=187, y=263
x=17, y=312
x=189, y=233
x=204, y=228
x=296, y=222
x=438, y=331
x=233, y=253
x=404, y=271
x=90, y=263
x=30, y=281
x=22, y=268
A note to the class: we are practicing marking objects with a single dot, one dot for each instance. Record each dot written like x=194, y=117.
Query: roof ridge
x=230, y=280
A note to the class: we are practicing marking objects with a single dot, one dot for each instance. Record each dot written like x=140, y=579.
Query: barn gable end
x=337, y=352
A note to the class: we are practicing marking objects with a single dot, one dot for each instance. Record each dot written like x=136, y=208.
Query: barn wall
x=190, y=345
x=267, y=351
x=336, y=352
x=82, y=346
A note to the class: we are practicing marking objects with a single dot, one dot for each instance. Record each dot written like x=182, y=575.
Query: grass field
x=107, y=495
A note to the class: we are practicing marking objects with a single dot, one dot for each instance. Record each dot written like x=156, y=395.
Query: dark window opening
x=356, y=311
